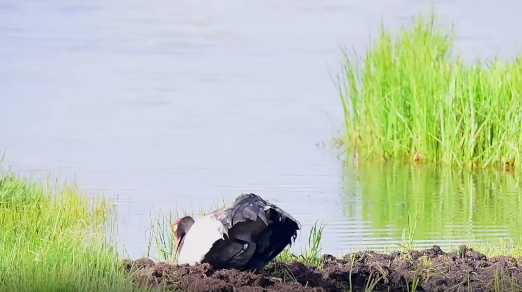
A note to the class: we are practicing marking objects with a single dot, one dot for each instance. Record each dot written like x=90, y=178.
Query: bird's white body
x=205, y=231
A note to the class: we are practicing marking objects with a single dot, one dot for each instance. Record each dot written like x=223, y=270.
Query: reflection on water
x=178, y=104
x=446, y=207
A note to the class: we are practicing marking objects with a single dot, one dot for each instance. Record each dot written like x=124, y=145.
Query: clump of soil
x=428, y=270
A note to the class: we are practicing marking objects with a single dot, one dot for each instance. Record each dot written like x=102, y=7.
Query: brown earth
x=433, y=269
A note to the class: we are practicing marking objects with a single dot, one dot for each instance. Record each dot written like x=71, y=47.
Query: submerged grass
x=413, y=100
x=55, y=239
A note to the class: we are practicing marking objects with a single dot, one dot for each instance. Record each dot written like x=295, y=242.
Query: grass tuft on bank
x=412, y=99
x=56, y=239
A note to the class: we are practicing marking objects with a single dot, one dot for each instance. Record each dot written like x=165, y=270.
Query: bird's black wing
x=250, y=207
x=281, y=227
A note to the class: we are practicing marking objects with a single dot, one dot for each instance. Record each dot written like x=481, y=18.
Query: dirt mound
x=428, y=270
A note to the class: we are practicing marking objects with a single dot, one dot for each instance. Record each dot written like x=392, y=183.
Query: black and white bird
x=246, y=235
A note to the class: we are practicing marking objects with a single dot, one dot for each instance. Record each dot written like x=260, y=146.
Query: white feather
x=200, y=238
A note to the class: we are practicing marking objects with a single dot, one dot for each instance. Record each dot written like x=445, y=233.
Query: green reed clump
x=411, y=99
x=55, y=239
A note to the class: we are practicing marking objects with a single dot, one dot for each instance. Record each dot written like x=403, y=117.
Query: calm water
x=181, y=105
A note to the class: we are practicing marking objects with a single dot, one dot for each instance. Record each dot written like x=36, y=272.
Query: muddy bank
x=431, y=270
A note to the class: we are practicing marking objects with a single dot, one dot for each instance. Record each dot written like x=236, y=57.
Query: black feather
x=283, y=226
x=281, y=229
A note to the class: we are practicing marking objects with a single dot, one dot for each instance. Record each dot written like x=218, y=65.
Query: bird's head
x=180, y=227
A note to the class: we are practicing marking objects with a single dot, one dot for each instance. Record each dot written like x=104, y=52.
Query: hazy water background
x=178, y=104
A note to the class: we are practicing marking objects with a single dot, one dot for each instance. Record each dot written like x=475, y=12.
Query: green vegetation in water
x=412, y=100
x=442, y=205
x=55, y=239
